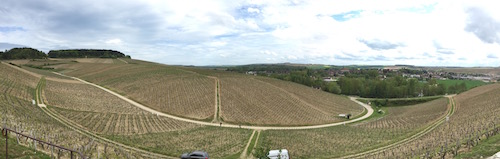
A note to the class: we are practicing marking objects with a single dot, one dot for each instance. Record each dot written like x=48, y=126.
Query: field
x=97, y=123
x=83, y=97
x=123, y=123
x=265, y=101
x=476, y=117
x=191, y=93
x=218, y=142
x=20, y=114
x=469, y=83
x=165, y=89
x=398, y=123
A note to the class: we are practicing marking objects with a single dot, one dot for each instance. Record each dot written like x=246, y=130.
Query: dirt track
x=367, y=107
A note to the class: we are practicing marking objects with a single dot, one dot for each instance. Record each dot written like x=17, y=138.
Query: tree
x=23, y=53
x=332, y=87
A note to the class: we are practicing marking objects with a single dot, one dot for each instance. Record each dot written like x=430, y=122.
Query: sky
x=234, y=32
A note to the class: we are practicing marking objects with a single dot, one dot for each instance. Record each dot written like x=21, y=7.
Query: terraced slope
x=264, y=101
x=476, y=117
x=191, y=93
x=399, y=123
x=17, y=112
x=162, y=88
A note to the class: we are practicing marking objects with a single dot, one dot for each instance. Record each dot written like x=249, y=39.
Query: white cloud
x=113, y=41
x=241, y=32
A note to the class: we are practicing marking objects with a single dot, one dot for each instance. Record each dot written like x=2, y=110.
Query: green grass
x=486, y=148
x=469, y=83
x=398, y=101
x=252, y=143
x=18, y=151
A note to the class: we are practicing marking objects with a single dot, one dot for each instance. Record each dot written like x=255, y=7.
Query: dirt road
x=367, y=107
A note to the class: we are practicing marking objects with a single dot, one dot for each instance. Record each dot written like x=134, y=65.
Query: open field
x=481, y=70
x=343, y=140
x=469, y=83
x=264, y=101
x=476, y=117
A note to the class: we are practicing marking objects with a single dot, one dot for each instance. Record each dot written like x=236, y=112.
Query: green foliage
x=86, y=53
x=18, y=151
x=458, y=86
x=261, y=151
x=401, y=102
x=485, y=148
x=22, y=53
x=395, y=87
x=39, y=67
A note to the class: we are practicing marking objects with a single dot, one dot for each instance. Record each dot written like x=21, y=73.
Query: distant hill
x=85, y=53
x=22, y=53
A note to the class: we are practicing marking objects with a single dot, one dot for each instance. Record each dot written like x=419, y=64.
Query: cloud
x=377, y=44
x=483, y=25
x=492, y=56
x=8, y=46
x=113, y=41
x=221, y=32
x=11, y=29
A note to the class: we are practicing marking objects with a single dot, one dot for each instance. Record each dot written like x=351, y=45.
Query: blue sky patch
x=11, y=29
x=421, y=9
x=347, y=15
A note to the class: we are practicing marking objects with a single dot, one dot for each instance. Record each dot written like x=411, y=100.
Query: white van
x=278, y=154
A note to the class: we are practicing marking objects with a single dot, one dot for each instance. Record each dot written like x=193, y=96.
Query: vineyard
x=19, y=113
x=162, y=88
x=476, y=118
x=218, y=142
x=344, y=140
x=101, y=125
x=123, y=124
x=83, y=97
x=254, y=101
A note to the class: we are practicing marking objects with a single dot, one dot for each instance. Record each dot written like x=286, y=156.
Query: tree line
x=85, y=53
x=364, y=82
x=22, y=53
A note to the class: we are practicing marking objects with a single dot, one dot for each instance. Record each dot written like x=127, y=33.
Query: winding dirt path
x=432, y=126
x=40, y=76
x=244, y=153
x=367, y=107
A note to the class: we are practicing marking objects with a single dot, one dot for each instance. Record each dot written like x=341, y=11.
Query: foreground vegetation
x=476, y=118
x=192, y=93
x=218, y=142
x=397, y=124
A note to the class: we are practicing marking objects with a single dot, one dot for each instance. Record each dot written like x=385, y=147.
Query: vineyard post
x=6, y=144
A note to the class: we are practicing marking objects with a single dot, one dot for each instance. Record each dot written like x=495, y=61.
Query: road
x=367, y=107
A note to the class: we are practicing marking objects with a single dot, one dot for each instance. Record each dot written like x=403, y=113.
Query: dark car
x=195, y=155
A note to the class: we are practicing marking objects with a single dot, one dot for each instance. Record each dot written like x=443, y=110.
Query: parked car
x=195, y=155
x=278, y=154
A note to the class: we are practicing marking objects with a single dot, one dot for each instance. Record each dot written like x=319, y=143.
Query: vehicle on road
x=195, y=155
x=278, y=154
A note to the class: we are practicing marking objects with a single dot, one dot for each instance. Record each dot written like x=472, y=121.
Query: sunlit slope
x=476, y=114
x=164, y=88
x=266, y=101
x=397, y=124
x=191, y=92
x=18, y=112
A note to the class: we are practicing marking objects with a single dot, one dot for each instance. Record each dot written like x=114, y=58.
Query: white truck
x=278, y=154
